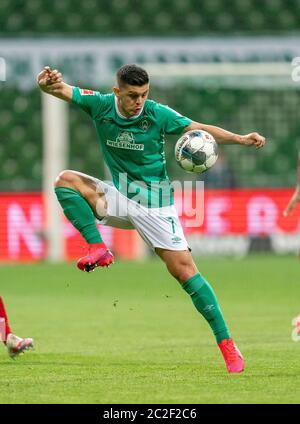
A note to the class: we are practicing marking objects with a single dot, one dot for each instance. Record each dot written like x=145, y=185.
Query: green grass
x=131, y=335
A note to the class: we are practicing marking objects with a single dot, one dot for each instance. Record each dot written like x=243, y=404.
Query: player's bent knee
x=182, y=272
x=65, y=179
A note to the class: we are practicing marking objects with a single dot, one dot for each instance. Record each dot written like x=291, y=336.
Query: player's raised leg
x=181, y=266
x=14, y=344
x=82, y=203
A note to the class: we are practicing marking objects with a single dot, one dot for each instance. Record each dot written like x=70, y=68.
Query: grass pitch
x=130, y=334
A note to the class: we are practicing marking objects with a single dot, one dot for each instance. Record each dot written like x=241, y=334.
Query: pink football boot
x=98, y=255
x=232, y=356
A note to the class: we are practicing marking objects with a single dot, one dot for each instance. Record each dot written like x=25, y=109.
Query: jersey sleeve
x=174, y=122
x=92, y=102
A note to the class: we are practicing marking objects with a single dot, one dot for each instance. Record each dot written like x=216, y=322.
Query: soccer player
x=296, y=195
x=14, y=344
x=131, y=130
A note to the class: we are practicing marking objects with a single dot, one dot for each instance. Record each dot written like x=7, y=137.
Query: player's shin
x=79, y=213
x=207, y=304
x=4, y=325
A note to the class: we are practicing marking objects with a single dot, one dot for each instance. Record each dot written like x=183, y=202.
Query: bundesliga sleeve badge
x=85, y=92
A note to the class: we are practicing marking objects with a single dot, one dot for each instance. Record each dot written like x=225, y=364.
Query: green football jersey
x=133, y=148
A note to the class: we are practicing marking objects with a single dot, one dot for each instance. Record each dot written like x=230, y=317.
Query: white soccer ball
x=196, y=151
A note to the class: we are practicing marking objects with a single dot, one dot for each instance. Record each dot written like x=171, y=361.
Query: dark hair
x=132, y=75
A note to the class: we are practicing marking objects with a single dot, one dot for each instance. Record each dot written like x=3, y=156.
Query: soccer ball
x=196, y=151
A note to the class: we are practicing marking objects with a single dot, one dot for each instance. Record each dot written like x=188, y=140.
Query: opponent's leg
x=4, y=324
x=14, y=344
x=82, y=201
x=181, y=266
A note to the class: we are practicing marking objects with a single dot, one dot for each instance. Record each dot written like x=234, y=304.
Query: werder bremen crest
x=145, y=124
x=125, y=140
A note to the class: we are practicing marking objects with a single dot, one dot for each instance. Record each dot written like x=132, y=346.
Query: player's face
x=131, y=98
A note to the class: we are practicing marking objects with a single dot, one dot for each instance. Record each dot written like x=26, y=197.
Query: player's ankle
x=7, y=335
x=100, y=245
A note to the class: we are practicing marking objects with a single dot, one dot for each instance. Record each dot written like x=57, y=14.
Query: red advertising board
x=22, y=232
x=238, y=212
x=218, y=212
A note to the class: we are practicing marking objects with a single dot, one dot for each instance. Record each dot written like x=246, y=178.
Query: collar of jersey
x=124, y=117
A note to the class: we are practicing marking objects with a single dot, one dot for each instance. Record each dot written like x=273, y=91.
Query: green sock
x=207, y=304
x=79, y=213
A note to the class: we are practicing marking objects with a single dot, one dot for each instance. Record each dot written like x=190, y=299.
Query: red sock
x=3, y=314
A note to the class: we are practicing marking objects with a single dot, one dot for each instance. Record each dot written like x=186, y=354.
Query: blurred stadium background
x=176, y=41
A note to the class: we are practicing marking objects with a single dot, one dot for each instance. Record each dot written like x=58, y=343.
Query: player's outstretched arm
x=296, y=195
x=50, y=81
x=226, y=137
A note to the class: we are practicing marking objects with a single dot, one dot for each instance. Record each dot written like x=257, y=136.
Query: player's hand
x=253, y=139
x=47, y=77
x=293, y=202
